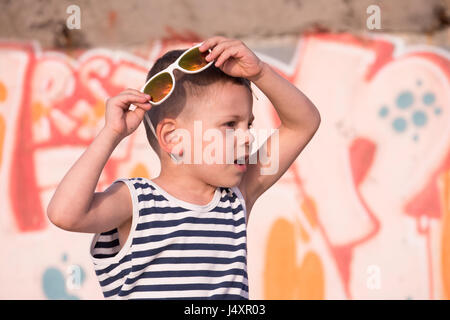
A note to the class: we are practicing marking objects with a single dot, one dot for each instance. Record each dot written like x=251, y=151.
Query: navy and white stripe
x=175, y=249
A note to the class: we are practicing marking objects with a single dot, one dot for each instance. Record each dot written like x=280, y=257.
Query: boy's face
x=219, y=134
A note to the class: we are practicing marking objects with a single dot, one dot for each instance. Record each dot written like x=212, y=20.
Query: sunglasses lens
x=194, y=60
x=159, y=87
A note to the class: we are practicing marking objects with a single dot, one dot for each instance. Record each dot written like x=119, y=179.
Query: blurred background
x=363, y=213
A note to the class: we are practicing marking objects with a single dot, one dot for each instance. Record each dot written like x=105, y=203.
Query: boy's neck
x=185, y=187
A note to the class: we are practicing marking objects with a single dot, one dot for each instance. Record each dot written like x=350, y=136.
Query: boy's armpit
x=248, y=202
x=109, y=209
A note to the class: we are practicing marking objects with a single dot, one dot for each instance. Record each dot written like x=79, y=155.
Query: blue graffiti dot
x=415, y=137
x=419, y=118
x=405, y=100
x=428, y=98
x=383, y=112
x=64, y=257
x=54, y=285
x=399, y=124
x=437, y=111
x=419, y=82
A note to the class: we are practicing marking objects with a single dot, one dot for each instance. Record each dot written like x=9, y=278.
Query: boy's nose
x=244, y=143
x=249, y=138
x=244, y=137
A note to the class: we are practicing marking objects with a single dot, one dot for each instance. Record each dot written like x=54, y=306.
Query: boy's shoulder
x=130, y=182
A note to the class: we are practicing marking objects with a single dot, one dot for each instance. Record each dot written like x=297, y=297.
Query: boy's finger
x=124, y=100
x=218, y=49
x=145, y=106
x=211, y=42
x=132, y=97
x=137, y=94
x=226, y=55
x=133, y=91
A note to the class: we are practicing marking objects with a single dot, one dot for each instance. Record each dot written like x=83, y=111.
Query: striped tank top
x=175, y=249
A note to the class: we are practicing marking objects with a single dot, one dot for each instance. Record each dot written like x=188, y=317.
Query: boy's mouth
x=241, y=160
x=241, y=163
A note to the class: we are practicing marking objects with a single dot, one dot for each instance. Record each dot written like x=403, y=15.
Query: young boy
x=182, y=235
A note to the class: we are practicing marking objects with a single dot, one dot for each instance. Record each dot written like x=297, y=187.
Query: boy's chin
x=232, y=181
x=225, y=176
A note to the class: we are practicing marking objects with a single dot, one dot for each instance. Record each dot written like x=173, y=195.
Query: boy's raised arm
x=300, y=120
x=75, y=206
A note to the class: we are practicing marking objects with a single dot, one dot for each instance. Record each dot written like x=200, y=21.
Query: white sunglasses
x=161, y=85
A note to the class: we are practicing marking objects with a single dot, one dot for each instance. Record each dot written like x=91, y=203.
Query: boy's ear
x=168, y=134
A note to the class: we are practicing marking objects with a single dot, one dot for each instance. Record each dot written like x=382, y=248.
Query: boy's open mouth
x=242, y=160
x=241, y=163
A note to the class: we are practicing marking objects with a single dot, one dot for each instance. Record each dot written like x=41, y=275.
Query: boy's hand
x=233, y=57
x=121, y=120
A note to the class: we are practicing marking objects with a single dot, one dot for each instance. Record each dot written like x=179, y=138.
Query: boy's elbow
x=59, y=219
x=316, y=119
x=319, y=119
x=52, y=215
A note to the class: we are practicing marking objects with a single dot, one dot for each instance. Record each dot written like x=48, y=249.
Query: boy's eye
x=230, y=123
x=233, y=123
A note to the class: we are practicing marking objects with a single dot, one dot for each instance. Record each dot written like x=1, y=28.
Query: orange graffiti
x=3, y=92
x=38, y=111
x=283, y=277
x=140, y=170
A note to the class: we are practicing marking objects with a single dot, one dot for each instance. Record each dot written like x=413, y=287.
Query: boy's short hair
x=186, y=85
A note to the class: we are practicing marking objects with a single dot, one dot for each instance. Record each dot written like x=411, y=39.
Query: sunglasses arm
x=147, y=118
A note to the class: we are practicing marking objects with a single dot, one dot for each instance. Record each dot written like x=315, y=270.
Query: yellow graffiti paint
x=99, y=109
x=85, y=120
x=3, y=92
x=38, y=110
x=140, y=171
x=303, y=233
x=310, y=278
x=283, y=277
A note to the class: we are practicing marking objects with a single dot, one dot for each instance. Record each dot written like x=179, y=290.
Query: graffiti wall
x=363, y=213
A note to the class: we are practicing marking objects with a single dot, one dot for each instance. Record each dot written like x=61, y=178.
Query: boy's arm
x=299, y=121
x=75, y=206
